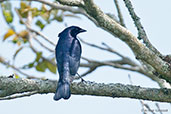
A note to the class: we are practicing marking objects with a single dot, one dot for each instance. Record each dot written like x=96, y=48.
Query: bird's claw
x=82, y=80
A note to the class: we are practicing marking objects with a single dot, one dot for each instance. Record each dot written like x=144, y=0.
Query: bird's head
x=73, y=31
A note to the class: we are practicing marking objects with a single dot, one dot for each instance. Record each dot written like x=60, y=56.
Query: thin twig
x=110, y=49
x=102, y=48
x=141, y=101
x=31, y=46
x=37, y=32
x=44, y=58
x=18, y=96
x=121, y=20
x=59, y=6
x=130, y=80
x=141, y=31
x=158, y=108
x=147, y=106
x=43, y=36
x=77, y=10
x=123, y=64
x=51, y=50
x=124, y=60
x=2, y=60
x=116, y=64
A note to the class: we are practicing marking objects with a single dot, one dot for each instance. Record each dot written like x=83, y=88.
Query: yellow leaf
x=8, y=34
x=18, y=43
x=15, y=38
x=24, y=5
x=23, y=34
x=18, y=50
x=16, y=76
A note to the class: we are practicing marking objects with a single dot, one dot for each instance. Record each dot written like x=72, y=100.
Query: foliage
x=42, y=16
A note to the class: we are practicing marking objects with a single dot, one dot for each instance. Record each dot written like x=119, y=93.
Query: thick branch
x=140, y=50
x=10, y=86
x=141, y=31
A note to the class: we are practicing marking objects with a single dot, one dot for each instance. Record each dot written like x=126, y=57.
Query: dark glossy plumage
x=68, y=54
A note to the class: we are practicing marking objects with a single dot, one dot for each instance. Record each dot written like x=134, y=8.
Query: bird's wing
x=59, y=58
x=61, y=55
x=75, y=55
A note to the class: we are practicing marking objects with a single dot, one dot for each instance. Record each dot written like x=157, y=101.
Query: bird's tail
x=63, y=90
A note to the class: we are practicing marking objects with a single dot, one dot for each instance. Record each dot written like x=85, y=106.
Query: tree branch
x=10, y=86
x=141, y=31
x=78, y=10
x=32, y=30
x=2, y=60
x=43, y=45
x=124, y=60
x=158, y=107
x=18, y=96
x=94, y=13
x=120, y=64
x=121, y=20
x=147, y=106
x=140, y=50
x=141, y=101
x=109, y=49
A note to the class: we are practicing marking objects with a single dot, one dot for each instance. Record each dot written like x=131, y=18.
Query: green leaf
x=24, y=5
x=51, y=67
x=40, y=24
x=41, y=66
x=7, y=12
x=24, y=8
x=30, y=65
x=59, y=18
x=8, y=16
x=35, y=12
x=15, y=39
x=39, y=55
x=45, y=15
x=23, y=14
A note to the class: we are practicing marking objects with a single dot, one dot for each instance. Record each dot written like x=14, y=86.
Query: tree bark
x=11, y=86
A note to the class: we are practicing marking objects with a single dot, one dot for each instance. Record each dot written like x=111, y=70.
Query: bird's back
x=68, y=52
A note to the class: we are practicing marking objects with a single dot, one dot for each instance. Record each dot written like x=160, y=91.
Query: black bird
x=68, y=54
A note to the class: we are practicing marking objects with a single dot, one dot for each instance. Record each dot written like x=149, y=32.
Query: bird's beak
x=82, y=30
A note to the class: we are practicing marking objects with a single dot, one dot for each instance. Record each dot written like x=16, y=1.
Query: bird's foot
x=82, y=80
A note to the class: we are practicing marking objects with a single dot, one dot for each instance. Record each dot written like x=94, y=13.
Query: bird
x=68, y=53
